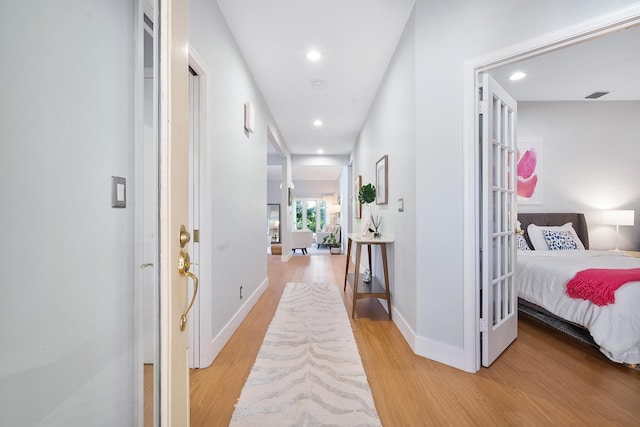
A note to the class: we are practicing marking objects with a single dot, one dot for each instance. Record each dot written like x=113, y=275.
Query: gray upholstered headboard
x=577, y=219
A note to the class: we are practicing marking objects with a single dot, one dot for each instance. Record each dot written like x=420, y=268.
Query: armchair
x=301, y=239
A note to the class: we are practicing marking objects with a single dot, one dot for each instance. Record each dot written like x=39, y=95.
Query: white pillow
x=538, y=240
x=559, y=240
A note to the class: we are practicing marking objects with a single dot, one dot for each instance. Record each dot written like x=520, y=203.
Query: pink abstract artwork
x=527, y=179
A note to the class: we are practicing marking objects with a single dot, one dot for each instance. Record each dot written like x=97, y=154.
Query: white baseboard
x=443, y=353
x=220, y=340
x=405, y=330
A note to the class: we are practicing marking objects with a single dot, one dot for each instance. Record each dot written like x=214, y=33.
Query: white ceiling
x=357, y=39
x=606, y=64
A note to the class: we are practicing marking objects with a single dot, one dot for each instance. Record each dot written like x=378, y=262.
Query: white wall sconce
x=248, y=117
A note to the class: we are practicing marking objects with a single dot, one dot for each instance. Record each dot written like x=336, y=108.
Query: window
x=311, y=214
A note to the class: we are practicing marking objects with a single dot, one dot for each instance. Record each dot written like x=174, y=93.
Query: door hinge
x=482, y=107
x=484, y=325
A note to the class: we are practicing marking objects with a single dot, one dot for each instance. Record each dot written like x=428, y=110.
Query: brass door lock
x=184, y=262
x=185, y=237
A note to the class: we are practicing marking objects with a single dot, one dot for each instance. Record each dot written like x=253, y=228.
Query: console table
x=375, y=288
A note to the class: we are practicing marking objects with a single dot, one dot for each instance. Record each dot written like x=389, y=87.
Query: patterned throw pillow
x=559, y=240
x=522, y=243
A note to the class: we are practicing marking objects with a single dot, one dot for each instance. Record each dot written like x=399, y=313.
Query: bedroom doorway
x=473, y=69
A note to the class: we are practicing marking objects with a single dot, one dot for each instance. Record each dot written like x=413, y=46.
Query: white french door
x=499, y=310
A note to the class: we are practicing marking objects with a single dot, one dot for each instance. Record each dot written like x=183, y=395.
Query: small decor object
x=382, y=180
x=366, y=277
x=376, y=220
x=367, y=230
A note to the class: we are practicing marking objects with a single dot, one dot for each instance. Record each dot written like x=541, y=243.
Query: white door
x=499, y=311
x=174, y=212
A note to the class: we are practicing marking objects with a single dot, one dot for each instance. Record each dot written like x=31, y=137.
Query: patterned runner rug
x=308, y=371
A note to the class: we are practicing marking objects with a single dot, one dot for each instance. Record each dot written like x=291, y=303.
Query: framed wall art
x=382, y=181
x=529, y=171
x=357, y=206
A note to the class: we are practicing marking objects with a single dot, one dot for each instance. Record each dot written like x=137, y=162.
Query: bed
x=542, y=276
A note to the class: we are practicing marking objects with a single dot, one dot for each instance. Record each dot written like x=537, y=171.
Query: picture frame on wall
x=529, y=176
x=382, y=181
x=357, y=206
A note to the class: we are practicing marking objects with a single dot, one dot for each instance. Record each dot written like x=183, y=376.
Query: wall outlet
x=241, y=292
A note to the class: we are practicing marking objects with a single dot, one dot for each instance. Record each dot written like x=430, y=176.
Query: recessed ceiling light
x=317, y=123
x=320, y=151
x=313, y=55
x=518, y=75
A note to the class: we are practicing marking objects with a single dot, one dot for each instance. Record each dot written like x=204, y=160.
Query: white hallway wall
x=390, y=129
x=590, y=162
x=235, y=177
x=444, y=35
x=67, y=273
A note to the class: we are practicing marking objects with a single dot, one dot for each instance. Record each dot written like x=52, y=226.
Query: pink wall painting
x=529, y=170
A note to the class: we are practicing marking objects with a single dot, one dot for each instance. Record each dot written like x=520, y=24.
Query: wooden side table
x=375, y=288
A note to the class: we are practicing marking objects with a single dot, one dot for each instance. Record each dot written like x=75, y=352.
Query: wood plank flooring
x=544, y=377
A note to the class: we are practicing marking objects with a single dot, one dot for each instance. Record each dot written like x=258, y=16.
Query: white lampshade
x=334, y=209
x=618, y=217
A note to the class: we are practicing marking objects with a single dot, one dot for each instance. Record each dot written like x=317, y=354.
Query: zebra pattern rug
x=308, y=371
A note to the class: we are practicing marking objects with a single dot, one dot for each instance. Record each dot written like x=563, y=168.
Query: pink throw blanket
x=599, y=284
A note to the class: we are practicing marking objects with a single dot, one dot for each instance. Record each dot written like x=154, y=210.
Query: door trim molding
x=200, y=314
x=567, y=36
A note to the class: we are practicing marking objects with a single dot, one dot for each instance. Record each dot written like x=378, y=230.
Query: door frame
x=200, y=317
x=143, y=7
x=472, y=69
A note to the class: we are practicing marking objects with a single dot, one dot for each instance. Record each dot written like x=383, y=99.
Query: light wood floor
x=544, y=378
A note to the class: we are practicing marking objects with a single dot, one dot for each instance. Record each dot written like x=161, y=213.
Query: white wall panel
x=235, y=172
x=66, y=278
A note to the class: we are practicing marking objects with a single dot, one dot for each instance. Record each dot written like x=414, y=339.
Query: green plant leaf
x=367, y=194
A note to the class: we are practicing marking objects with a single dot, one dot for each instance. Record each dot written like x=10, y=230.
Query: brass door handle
x=183, y=318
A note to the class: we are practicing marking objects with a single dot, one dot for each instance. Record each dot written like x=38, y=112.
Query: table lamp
x=618, y=218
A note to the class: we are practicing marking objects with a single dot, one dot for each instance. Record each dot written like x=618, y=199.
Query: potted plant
x=331, y=242
x=367, y=195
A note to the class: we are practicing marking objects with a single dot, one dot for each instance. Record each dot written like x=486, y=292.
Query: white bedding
x=542, y=277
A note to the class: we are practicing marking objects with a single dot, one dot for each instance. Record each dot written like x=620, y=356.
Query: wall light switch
x=118, y=192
